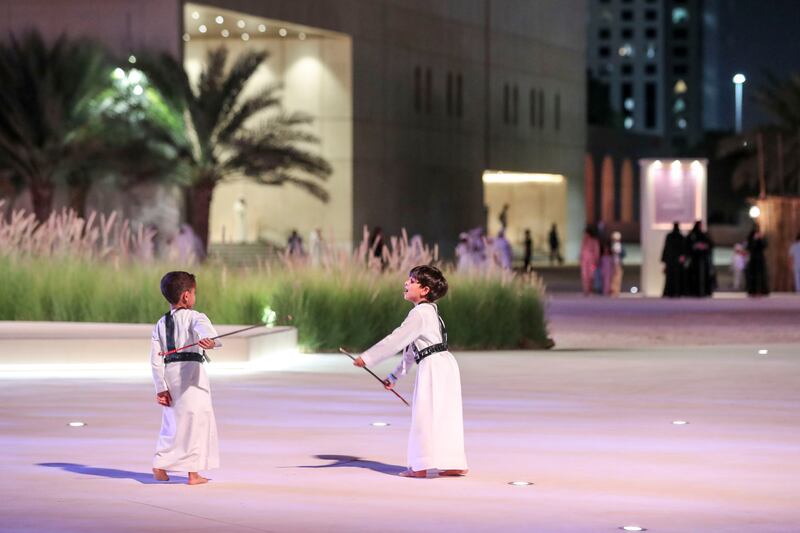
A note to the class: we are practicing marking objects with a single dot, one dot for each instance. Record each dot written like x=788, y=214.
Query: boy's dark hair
x=173, y=284
x=432, y=278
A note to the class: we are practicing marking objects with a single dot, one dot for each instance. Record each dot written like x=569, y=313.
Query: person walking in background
x=528, y=243
x=756, y=273
x=794, y=255
x=700, y=248
x=618, y=252
x=503, y=254
x=606, y=268
x=555, y=246
x=503, y=217
x=589, y=257
x=738, y=266
x=674, y=258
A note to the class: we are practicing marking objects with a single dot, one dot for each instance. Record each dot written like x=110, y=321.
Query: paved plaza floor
x=590, y=424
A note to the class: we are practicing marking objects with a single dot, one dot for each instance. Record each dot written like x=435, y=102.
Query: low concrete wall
x=33, y=343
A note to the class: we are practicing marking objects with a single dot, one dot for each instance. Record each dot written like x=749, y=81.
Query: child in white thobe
x=188, y=438
x=436, y=440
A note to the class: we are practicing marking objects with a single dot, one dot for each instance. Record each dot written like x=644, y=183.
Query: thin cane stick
x=348, y=354
x=281, y=330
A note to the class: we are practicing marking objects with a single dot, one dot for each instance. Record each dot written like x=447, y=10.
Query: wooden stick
x=281, y=330
x=348, y=354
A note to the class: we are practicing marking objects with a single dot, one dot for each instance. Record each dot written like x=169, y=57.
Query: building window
x=417, y=89
x=515, y=102
x=651, y=51
x=541, y=109
x=628, y=123
x=604, y=33
x=650, y=69
x=627, y=33
x=532, y=102
x=651, y=33
x=680, y=15
x=680, y=33
x=681, y=123
x=557, y=114
x=459, y=96
x=449, y=94
x=626, y=50
x=680, y=87
x=506, y=101
x=627, y=69
x=650, y=100
x=680, y=51
x=679, y=106
x=626, y=14
x=604, y=51
x=428, y=91
x=629, y=104
x=680, y=69
x=651, y=14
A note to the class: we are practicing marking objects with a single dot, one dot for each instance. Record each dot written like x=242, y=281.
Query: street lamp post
x=738, y=81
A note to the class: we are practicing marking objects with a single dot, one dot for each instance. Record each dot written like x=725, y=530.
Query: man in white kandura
x=188, y=438
x=436, y=440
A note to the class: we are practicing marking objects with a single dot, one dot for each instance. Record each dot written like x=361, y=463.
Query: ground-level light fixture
x=380, y=424
x=202, y=28
x=634, y=290
x=131, y=59
x=763, y=352
x=301, y=36
x=283, y=32
x=632, y=528
x=195, y=15
x=679, y=422
x=245, y=36
x=520, y=483
x=240, y=23
x=186, y=37
x=225, y=33
x=755, y=211
x=76, y=424
x=262, y=28
x=219, y=19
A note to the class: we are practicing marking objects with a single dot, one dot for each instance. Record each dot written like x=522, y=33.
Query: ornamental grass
x=101, y=270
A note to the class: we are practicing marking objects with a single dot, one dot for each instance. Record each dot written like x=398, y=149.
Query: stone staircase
x=243, y=254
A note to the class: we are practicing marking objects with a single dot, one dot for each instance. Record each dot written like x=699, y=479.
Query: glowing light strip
x=498, y=176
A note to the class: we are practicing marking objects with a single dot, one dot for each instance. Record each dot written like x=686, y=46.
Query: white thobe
x=436, y=439
x=188, y=439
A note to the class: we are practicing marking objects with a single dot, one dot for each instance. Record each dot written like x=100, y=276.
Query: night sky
x=756, y=36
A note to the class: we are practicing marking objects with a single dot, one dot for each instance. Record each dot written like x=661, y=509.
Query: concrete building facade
x=415, y=100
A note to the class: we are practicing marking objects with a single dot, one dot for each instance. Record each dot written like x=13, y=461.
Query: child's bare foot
x=411, y=473
x=196, y=479
x=453, y=472
x=159, y=474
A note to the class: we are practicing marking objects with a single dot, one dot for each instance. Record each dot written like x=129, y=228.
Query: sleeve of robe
x=157, y=362
x=397, y=340
x=204, y=329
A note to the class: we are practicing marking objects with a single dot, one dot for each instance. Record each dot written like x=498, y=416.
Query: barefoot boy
x=188, y=438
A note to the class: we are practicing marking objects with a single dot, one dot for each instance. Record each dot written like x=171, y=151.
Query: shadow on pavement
x=145, y=478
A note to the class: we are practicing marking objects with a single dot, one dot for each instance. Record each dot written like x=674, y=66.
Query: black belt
x=419, y=355
x=182, y=357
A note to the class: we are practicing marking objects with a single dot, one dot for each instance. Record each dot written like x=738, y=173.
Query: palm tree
x=45, y=98
x=770, y=152
x=227, y=134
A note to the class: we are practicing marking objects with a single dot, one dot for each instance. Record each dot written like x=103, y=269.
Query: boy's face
x=413, y=291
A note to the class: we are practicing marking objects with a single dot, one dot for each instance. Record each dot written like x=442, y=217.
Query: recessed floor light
x=763, y=352
x=76, y=424
x=520, y=483
x=282, y=32
x=680, y=422
x=219, y=19
x=381, y=424
x=632, y=528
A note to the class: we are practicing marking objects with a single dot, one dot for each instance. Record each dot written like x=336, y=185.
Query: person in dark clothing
x=701, y=267
x=376, y=245
x=528, y=251
x=674, y=259
x=555, y=246
x=756, y=270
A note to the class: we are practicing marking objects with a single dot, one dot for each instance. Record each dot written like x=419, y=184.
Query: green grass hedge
x=329, y=308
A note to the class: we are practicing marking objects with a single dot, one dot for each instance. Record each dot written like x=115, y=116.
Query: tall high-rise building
x=650, y=54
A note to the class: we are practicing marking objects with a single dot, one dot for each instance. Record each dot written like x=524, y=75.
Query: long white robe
x=436, y=439
x=188, y=439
